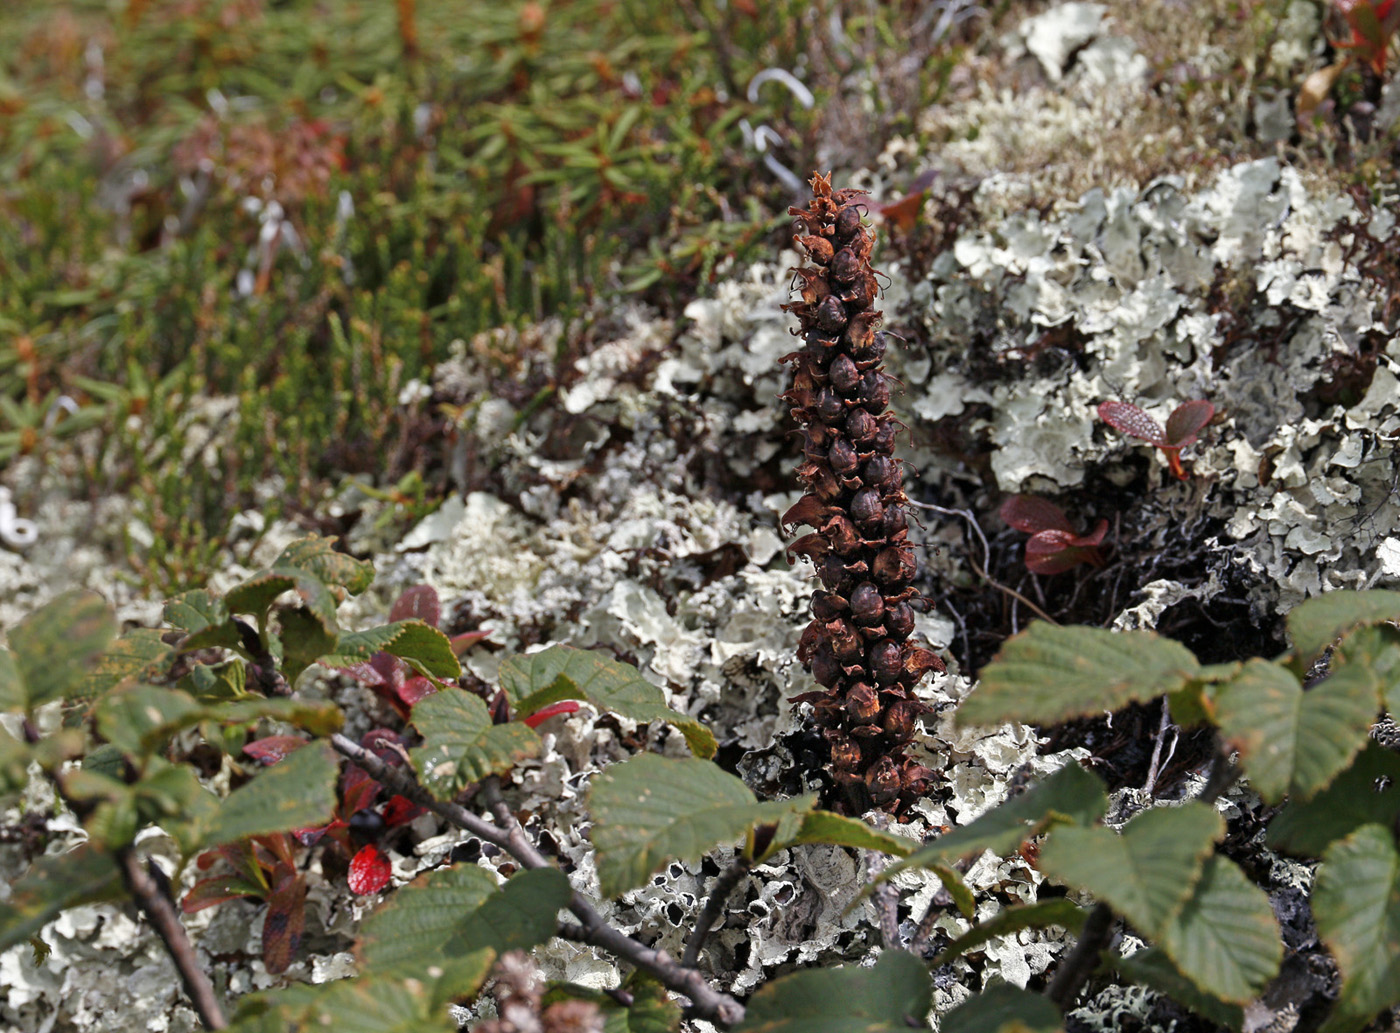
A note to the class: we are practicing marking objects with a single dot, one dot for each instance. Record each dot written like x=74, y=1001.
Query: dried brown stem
x=714, y=907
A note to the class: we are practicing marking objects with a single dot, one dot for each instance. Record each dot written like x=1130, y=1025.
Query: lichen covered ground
x=1094, y=231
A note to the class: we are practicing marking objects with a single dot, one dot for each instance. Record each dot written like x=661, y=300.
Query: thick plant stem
x=157, y=907
x=592, y=929
x=714, y=907
x=1075, y=971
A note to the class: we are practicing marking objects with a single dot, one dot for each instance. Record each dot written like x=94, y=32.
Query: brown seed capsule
x=867, y=510
x=844, y=375
x=867, y=605
x=829, y=406
x=896, y=521
x=827, y=606
x=874, y=393
x=883, y=439
x=883, y=780
x=882, y=473
x=845, y=266
x=841, y=536
x=914, y=778
x=894, y=567
x=845, y=751
x=886, y=661
x=846, y=645
x=834, y=575
x=867, y=356
x=825, y=667
x=861, y=427
x=860, y=333
x=862, y=703
x=843, y=458
x=818, y=247
x=899, y=619
x=831, y=314
x=861, y=293
x=898, y=720
x=847, y=223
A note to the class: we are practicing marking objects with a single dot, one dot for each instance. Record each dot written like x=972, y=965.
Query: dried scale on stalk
x=857, y=644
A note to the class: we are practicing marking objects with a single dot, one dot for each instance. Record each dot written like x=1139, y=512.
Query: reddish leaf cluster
x=1183, y=426
x=1372, y=24
x=856, y=646
x=1054, y=546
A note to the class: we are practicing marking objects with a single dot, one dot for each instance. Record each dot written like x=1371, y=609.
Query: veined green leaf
x=423, y=646
x=1316, y=624
x=54, y=647
x=1367, y=792
x=461, y=745
x=294, y=793
x=1004, y=1009
x=1225, y=938
x=894, y=995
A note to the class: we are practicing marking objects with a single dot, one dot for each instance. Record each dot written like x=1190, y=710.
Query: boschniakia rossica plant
x=857, y=644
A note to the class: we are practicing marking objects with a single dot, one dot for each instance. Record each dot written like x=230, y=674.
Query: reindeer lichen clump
x=857, y=644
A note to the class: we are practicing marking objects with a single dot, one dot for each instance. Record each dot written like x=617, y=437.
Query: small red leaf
x=216, y=890
x=415, y=689
x=1054, y=552
x=400, y=811
x=359, y=792
x=370, y=870
x=461, y=643
x=420, y=601
x=1095, y=537
x=1186, y=422
x=390, y=668
x=1030, y=514
x=285, y=923
x=385, y=744
x=1132, y=421
x=568, y=706
x=364, y=672
x=273, y=748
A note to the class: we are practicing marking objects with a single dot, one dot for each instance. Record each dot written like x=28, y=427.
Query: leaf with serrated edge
x=54, y=646
x=462, y=746
x=826, y=827
x=1356, y=902
x=298, y=792
x=453, y=912
x=652, y=809
x=427, y=648
x=1146, y=873
x=1368, y=791
x=317, y=557
x=1291, y=742
x=1049, y=674
x=370, y=1004
x=1154, y=970
x=139, y=717
x=893, y=995
x=1316, y=624
x=1004, y=1009
x=53, y=883
x=205, y=620
x=1071, y=794
x=1225, y=938
x=136, y=654
x=304, y=641
x=1060, y=911
x=1377, y=649
x=536, y=680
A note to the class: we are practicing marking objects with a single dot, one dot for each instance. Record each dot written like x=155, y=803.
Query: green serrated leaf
x=1225, y=938
x=316, y=718
x=317, y=556
x=217, y=683
x=1004, y=1009
x=54, y=647
x=1368, y=791
x=140, y=718
x=1291, y=742
x=171, y=796
x=826, y=827
x=257, y=594
x=139, y=653
x=652, y=809
x=1071, y=794
x=461, y=745
x=1049, y=674
x=1356, y=902
x=460, y=979
x=1154, y=970
x=1146, y=873
x=294, y=793
x=893, y=995
x=1377, y=649
x=369, y=1004
x=1061, y=912
x=535, y=681
x=204, y=618
x=453, y=912
x=52, y=884
x=304, y=641
x=1316, y=624
x=423, y=646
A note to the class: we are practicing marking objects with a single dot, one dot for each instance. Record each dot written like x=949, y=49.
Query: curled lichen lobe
x=856, y=646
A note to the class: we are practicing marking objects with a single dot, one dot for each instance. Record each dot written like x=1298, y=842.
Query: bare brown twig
x=714, y=907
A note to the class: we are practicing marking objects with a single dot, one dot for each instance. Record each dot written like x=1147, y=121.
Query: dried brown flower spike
x=856, y=646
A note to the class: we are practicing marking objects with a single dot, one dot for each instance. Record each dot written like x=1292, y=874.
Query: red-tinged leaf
x=216, y=890
x=421, y=602
x=285, y=923
x=1186, y=421
x=273, y=748
x=312, y=834
x=1031, y=514
x=385, y=744
x=416, y=688
x=365, y=673
x=370, y=870
x=279, y=846
x=567, y=706
x=1053, y=552
x=400, y=811
x=1093, y=538
x=390, y=668
x=461, y=643
x=360, y=791
x=1132, y=421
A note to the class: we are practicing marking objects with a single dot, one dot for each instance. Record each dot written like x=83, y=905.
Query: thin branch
x=158, y=908
x=1157, y=760
x=592, y=928
x=720, y=893
x=1082, y=961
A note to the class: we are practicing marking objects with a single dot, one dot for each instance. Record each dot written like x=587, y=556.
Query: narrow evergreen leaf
x=651, y=809
x=1225, y=938
x=1146, y=873
x=1368, y=791
x=893, y=995
x=316, y=556
x=461, y=745
x=536, y=680
x=1154, y=970
x=1356, y=902
x=54, y=647
x=1316, y=624
x=1050, y=674
x=1057, y=911
x=52, y=884
x=1004, y=1009
x=1071, y=794
x=298, y=792
x=427, y=648
x=1291, y=742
